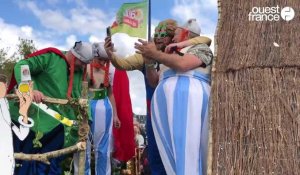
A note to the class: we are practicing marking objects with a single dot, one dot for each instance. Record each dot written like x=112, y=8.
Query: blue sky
x=59, y=23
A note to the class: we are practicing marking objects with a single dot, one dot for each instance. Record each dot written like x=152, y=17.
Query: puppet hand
x=25, y=102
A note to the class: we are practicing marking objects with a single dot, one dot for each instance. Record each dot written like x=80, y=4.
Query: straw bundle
x=255, y=100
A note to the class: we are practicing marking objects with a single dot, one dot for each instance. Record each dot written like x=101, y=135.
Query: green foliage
x=67, y=165
x=25, y=47
x=36, y=141
x=7, y=62
x=3, y=55
x=7, y=67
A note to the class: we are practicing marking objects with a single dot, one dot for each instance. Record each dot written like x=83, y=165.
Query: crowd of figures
x=176, y=66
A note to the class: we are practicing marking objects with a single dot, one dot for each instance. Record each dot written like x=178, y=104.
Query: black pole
x=149, y=20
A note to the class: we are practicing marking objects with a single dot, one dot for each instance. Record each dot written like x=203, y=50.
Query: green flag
x=132, y=19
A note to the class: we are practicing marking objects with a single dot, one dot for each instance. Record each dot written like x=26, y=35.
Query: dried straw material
x=255, y=112
x=249, y=44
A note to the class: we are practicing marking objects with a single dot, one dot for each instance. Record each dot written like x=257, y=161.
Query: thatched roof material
x=255, y=100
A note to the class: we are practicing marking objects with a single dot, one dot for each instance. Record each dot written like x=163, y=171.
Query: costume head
x=100, y=62
x=78, y=56
x=189, y=30
x=83, y=51
x=192, y=26
x=99, y=51
x=164, y=32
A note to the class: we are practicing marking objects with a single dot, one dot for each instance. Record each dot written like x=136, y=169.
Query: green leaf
x=37, y=144
x=39, y=135
x=36, y=141
x=67, y=173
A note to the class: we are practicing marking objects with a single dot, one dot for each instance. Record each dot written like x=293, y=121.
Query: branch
x=83, y=127
x=46, y=156
x=81, y=101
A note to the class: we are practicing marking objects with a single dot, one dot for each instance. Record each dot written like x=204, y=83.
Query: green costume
x=50, y=74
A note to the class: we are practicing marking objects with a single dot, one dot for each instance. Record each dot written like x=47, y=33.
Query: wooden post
x=83, y=128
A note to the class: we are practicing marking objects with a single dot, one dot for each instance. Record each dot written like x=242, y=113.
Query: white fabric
x=194, y=129
x=192, y=26
x=31, y=122
x=101, y=131
x=179, y=109
x=99, y=50
x=7, y=161
x=25, y=74
x=83, y=51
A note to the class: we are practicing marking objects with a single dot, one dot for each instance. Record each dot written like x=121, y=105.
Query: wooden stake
x=83, y=128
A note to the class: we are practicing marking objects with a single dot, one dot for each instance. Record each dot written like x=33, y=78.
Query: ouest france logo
x=271, y=13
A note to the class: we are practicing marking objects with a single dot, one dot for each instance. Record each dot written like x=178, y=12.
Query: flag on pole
x=132, y=19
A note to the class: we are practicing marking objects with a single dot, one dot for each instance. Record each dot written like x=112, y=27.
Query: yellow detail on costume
x=58, y=116
x=67, y=121
x=24, y=87
x=63, y=120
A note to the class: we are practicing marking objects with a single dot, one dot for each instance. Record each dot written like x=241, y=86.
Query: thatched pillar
x=255, y=111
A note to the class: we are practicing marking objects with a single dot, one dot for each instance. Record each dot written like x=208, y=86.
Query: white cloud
x=89, y=20
x=27, y=30
x=49, y=18
x=81, y=19
x=94, y=39
x=10, y=34
x=203, y=11
x=71, y=39
x=154, y=23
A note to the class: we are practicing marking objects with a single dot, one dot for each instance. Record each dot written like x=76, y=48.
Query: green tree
x=7, y=63
x=3, y=55
x=25, y=47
